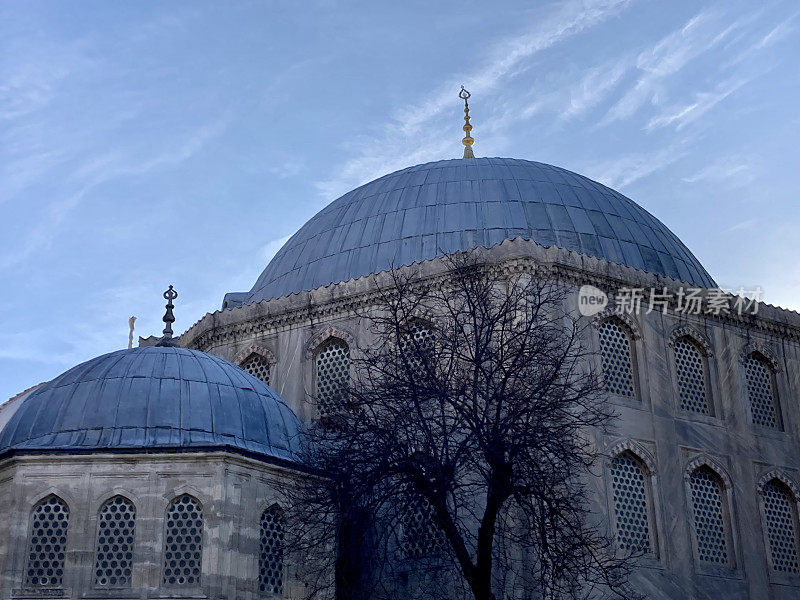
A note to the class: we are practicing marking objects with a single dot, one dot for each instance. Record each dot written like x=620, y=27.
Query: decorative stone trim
x=330, y=332
x=637, y=450
x=706, y=461
x=762, y=349
x=256, y=349
x=623, y=318
x=687, y=331
x=780, y=475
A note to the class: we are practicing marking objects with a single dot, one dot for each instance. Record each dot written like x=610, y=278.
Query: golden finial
x=467, y=140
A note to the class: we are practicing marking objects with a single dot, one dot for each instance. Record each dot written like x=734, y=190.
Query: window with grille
x=270, y=561
x=632, y=505
x=780, y=511
x=615, y=350
x=333, y=376
x=416, y=342
x=760, y=391
x=690, y=365
x=183, y=543
x=114, y=554
x=421, y=537
x=47, y=544
x=708, y=505
x=257, y=366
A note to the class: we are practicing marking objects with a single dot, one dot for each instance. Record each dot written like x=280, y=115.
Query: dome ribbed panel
x=429, y=210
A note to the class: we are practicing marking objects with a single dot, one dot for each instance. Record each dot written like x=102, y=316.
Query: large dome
x=153, y=398
x=441, y=207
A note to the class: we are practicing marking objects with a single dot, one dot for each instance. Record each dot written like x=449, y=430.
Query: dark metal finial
x=169, y=318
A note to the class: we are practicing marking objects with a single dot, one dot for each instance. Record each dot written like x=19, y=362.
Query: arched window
x=183, y=542
x=333, y=375
x=633, y=506
x=113, y=563
x=617, y=356
x=780, y=513
x=710, y=516
x=420, y=537
x=257, y=366
x=690, y=365
x=761, y=392
x=47, y=544
x=270, y=561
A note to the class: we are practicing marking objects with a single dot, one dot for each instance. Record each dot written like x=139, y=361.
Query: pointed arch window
x=616, y=350
x=710, y=513
x=183, y=542
x=113, y=565
x=692, y=370
x=47, y=544
x=633, y=505
x=258, y=366
x=332, y=364
x=780, y=514
x=420, y=537
x=416, y=343
x=760, y=382
x=270, y=560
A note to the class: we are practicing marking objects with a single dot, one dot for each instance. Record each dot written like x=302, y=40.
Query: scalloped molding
x=637, y=450
x=687, y=331
x=324, y=335
x=258, y=350
x=706, y=461
x=780, y=475
x=625, y=319
x=758, y=347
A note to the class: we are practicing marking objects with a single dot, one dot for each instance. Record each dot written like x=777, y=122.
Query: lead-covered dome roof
x=154, y=398
x=441, y=207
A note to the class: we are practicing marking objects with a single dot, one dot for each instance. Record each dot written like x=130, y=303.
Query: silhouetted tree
x=459, y=460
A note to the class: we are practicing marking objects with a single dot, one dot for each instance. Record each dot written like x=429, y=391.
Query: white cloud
x=680, y=116
x=734, y=170
x=628, y=168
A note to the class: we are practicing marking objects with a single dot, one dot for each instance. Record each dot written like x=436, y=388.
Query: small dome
x=442, y=207
x=154, y=398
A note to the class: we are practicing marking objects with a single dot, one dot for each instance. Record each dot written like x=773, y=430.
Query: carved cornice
x=329, y=332
x=706, y=461
x=258, y=350
x=687, y=331
x=783, y=477
x=638, y=451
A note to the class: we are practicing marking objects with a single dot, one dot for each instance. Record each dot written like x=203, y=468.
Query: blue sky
x=143, y=144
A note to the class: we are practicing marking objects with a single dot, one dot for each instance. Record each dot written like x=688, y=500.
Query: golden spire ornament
x=467, y=140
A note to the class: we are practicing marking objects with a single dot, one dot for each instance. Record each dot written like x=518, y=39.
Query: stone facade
x=667, y=440
x=231, y=491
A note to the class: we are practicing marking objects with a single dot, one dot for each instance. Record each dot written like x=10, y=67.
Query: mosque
x=152, y=472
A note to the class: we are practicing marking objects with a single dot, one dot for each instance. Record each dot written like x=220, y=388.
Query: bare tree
x=460, y=458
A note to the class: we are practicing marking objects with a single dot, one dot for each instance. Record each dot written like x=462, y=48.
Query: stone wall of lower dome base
x=232, y=492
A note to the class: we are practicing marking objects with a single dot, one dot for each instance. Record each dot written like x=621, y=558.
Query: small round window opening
x=114, y=556
x=183, y=543
x=47, y=545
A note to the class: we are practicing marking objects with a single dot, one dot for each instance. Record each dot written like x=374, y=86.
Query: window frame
x=102, y=504
x=29, y=543
x=776, y=576
x=175, y=588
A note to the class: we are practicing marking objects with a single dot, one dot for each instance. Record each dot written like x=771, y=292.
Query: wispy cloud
x=418, y=122
x=732, y=170
x=680, y=116
x=595, y=86
x=667, y=57
x=626, y=169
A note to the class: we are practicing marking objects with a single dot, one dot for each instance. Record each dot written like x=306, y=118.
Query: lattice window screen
x=416, y=342
x=632, y=509
x=270, y=562
x=183, y=543
x=691, y=368
x=47, y=544
x=333, y=376
x=709, y=516
x=615, y=350
x=258, y=367
x=760, y=392
x=114, y=553
x=780, y=510
x=421, y=537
